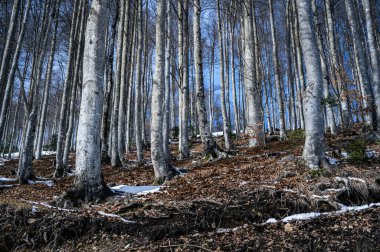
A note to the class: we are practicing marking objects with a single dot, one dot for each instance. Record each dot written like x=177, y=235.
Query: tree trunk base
x=28, y=176
x=82, y=194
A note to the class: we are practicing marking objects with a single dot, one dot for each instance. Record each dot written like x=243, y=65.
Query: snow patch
x=2, y=179
x=115, y=216
x=312, y=215
x=332, y=161
x=271, y=220
x=15, y=155
x=371, y=154
x=49, y=183
x=302, y=216
x=138, y=190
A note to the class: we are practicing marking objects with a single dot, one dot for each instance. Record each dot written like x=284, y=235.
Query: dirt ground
x=221, y=205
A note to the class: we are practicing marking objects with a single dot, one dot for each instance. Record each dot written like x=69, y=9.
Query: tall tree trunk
x=8, y=45
x=232, y=51
x=280, y=98
x=89, y=184
x=76, y=80
x=206, y=136
x=139, y=84
x=45, y=100
x=166, y=125
x=59, y=168
x=374, y=56
x=330, y=122
x=226, y=124
x=290, y=76
x=255, y=124
x=105, y=132
x=11, y=74
x=162, y=169
x=115, y=157
x=314, y=149
x=184, y=108
x=25, y=165
x=344, y=96
x=361, y=61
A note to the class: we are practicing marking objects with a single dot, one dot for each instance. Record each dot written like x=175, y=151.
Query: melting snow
x=2, y=179
x=332, y=161
x=138, y=190
x=16, y=155
x=115, y=216
x=49, y=183
x=271, y=220
x=312, y=215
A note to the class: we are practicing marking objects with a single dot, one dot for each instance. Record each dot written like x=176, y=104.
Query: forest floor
x=248, y=201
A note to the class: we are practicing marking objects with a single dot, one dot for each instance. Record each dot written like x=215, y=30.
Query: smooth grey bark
x=314, y=149
x=172, y=99
x=12, y=70
x=280, y=97
x=59, y=168
x=76, y=82
x=330, y=122
x=206, y=136
x=167, y=103
x=374, y=57
x=267, y=110
x=290, y=75
x=211, y=82
x=180, y=72
x=89, y=184
x=255, y=125
x=300, y=70
x=123, y=87
x=8, y=43
x=25, y=165
x=162, y=170
x=226, y=124
x=14, y=128
x=233, y=77
x=344, y=96
x=129, y=118
x=45, y=99
x=361, y=61
x=115, y=157
x=139, y=84
x=105, y=131
x=184, y=108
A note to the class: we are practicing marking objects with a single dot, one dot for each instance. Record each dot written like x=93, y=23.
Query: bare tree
x=89, y=184
x=162, y=169
x=314, y=149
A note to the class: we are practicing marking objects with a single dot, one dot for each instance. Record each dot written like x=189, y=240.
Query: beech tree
x=314, y=149
x=162, y=169
x=89, y=183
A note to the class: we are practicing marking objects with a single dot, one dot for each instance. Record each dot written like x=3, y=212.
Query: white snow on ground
x=312, y=215
x=2, y=179
x=271, y=220
x=47, y=205
x=138, y=190
x=344, y=154
x=332, y=161
x=7, y=186
x=115, y=216
x=16, y=155
x=346, y=180
x=49, y=183
x=371, y=154
x=302, y=216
